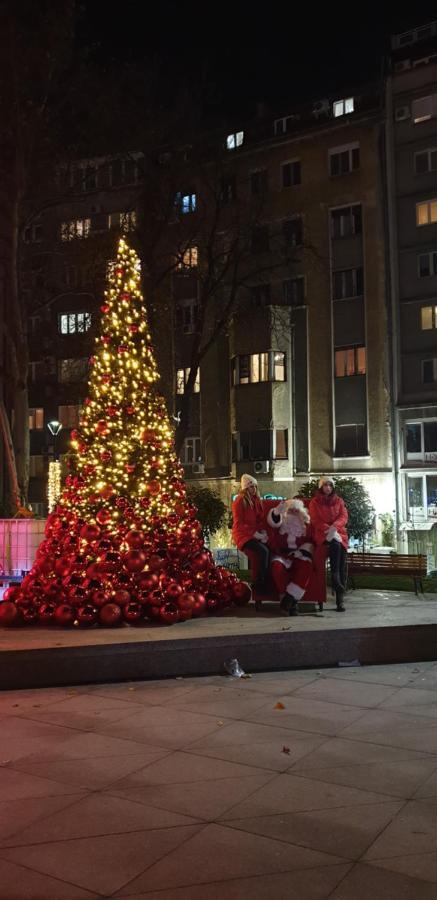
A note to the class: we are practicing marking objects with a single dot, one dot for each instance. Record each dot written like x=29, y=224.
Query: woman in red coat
x=328, y=519
x=248, y=528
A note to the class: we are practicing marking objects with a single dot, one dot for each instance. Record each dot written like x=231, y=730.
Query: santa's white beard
x=293, y=528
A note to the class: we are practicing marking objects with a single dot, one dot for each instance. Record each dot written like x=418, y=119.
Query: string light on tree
x=123, y=543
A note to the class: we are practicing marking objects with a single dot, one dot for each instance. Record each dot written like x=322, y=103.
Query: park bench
x=414, y=565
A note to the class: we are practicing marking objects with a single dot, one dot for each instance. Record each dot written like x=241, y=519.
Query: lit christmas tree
x=123, y=543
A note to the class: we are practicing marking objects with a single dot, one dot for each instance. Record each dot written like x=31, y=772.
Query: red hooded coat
x=326, y=511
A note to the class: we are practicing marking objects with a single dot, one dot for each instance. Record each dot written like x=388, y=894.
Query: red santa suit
x=291, y=543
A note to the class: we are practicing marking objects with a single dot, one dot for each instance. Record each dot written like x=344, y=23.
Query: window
x=72, y=371
x=248, y=445
x=343, y=160
x=293, y=291
x=426, y=212
x=351, y=440
x=76, y=228
x=281, y=443
x=284, y=125
x=185, y=203
x=347, y=283
x=293, y=231
x=228, y=191
x=32, y=234
x=69, y=416
x=291, y=173
x=258, y=182
x=256, y=367
x=126, y=221
x=37, y=371
x=421, y=441
x=74, y=323
x=427, y=264
x=346, y=221
x=234, y=140
x=343, y=107
x=182, y=376
x=188, y=258
x=425, y=161
x=36, y=419
x=186, y=318
x=424, y=108
x=260, y=239
x=190, y=451
x=429, y=371
x=260, y=294
x=350, y=361
x=428, y=317
x=421, y=497
x=36, y=466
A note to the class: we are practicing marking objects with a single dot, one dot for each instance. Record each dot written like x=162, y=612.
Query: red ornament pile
x=85, y=575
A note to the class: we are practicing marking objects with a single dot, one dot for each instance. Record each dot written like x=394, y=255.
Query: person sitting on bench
x=328, y=518
x=248, y=529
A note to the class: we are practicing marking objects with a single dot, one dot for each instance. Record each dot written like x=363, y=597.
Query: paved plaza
x=301, y=785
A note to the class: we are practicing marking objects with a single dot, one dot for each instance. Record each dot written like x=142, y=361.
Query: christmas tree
x=123, y=543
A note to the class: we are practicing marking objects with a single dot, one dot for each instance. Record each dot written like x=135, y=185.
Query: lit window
x=72, y=371
x=424, y=108
x=235, y=140
x=126, y=221
x=74, y=323
x=428, y=317
x=343, y=107
x=427, y=264
x=258, y=367
x=76, y=228
x=429, y=371
x=189, y=258
x=182, y=376
x=36, y=418
x=186, y=203
x=69, y=416
x=426, y=212
x=343, y=160
x=350, y=361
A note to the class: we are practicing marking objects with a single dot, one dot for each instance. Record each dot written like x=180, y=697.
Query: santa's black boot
x=294, y=607
x=339, y=597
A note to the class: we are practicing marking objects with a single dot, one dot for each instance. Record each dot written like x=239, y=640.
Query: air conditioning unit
x=198, y=468
x=321, y=108
x=402, y=113
x=261, y=466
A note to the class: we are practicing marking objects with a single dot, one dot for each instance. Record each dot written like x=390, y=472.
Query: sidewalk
x=301, y=785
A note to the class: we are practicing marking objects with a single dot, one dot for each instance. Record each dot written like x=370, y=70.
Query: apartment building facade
x=411, y=160
x=297, y=383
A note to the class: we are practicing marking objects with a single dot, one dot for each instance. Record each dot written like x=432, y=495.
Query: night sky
x=247, y=52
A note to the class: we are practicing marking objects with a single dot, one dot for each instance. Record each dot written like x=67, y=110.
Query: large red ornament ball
x=11, y=593
x=30, y=615
x=112, y=411
x=9, y=614
x=121, y=503
x=241, y=593
x=47, y=613
x=169, y=613
x=132, y=612
x=110, y=561
x=199, y=607
x=63, y=566
x=104, y=308
x=105, y=455
x=110, y=614
x=200, y=562
x=135, y=539
x=86, y=615
x=100, y=598
x=172, y=590
x=107, y=491
x=103, y=516
x=65, y=614
x=154, y=487
x=147, y=581
x=148, y=435
x=156, y=563
x=129, y=468
x=122, y=597
x=134, y=560
x=102, y=426
x=186, y=601
x=90, y=533
x=122, y=349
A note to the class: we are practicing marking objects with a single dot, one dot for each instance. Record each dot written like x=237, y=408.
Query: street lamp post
x=54, y=482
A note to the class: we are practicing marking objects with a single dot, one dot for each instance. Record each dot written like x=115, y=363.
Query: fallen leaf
x=131, y=689
x=279, y=705
x=286, y=750
x=220, y=723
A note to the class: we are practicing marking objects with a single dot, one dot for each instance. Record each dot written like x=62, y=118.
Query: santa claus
x=290, y=540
